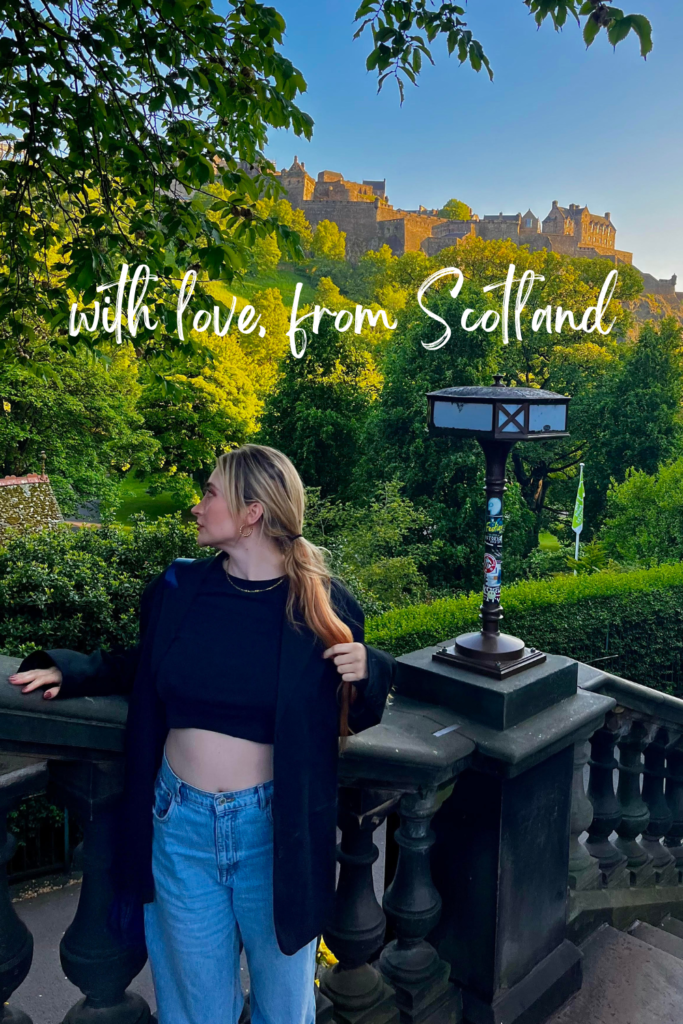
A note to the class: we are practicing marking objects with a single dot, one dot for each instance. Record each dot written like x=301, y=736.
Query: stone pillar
x=584, y=872
x=411, y=965
x=357, y=990
x=501, y=858
x=20, y=777
x=635, y=815
x=16, y=941
x=90, y=956
x=606, y=808
x=660, y=814
x=673, y=839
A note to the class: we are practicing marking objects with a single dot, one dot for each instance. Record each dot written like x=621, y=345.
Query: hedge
x=634, y=619
x=82, y=590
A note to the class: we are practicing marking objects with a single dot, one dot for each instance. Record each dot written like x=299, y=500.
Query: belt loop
x=261, y=796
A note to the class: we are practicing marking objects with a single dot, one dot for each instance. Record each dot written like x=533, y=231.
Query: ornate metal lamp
x=498, y=417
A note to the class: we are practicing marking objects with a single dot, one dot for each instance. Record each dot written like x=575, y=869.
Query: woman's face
x=216, y=526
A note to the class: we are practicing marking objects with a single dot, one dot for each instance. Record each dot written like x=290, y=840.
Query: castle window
x=527, y=222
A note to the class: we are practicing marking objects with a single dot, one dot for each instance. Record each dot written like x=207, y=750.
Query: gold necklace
x=261, y=591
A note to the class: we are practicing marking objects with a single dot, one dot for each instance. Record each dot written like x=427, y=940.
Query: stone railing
x=496, y=862
x=626, y=853
x=72, y=750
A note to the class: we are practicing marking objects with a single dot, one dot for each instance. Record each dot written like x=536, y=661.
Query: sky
x=599, y=127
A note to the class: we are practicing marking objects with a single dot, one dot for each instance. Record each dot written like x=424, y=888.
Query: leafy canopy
x=112, y=107
x=403, y=29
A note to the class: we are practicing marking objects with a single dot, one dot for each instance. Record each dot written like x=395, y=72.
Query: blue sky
x=600, y=127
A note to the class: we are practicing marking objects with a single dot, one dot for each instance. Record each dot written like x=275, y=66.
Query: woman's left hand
x=351, y=661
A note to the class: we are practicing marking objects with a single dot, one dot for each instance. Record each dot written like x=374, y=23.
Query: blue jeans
x=212, y=861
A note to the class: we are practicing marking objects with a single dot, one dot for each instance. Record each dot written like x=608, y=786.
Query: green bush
x=637, y=616
x=81, y=588
x=645, y=516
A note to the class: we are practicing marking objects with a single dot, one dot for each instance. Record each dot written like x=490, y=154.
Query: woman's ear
x=254, y=513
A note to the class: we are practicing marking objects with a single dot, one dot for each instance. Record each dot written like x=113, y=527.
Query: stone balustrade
x=628, y=802
x=74, y=754
x=520, y=815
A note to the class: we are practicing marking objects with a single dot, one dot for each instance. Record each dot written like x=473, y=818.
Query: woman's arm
x=368, y=707
x=86, y=675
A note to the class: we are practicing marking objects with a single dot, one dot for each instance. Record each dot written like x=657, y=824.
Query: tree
x=265, y=254
x=296, y=220
x=265, y=353
x=205, y=410
x=625, y=411
x=328, y=241
x=82, y=413
x=455, y=210
x=112, y=109
x=317, y=414
x=644, y=521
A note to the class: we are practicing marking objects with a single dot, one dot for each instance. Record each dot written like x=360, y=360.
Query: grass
x=136, y=499
x=548, y=542
x=244, y=289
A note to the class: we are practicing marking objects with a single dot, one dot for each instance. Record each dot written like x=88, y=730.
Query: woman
x=228, y=817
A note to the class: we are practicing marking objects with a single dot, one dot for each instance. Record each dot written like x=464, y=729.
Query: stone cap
x=30, y=478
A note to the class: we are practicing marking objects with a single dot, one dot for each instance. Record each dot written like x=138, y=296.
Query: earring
x=245, y=535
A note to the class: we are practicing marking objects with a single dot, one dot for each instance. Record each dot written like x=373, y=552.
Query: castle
x=363, y=211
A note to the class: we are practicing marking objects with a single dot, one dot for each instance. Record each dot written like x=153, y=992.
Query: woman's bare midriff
x=218, y=763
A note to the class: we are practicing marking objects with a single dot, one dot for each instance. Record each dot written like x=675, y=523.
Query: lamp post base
x=497, y=655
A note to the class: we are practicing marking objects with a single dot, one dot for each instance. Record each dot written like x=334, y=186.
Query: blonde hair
x=255, y=472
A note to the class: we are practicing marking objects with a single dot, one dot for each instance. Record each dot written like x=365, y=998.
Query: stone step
x=658, y=937
x=673, y=925
x=625, y=980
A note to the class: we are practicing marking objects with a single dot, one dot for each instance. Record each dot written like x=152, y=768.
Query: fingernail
x=48, y=696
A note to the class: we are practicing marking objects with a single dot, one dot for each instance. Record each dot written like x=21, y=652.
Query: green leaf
x=590, y=31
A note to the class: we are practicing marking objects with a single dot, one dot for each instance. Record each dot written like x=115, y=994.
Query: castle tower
x=298, y=182
x=530, y=224
x=558, y=221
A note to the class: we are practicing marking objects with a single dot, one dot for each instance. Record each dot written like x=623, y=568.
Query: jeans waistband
x=259, y=795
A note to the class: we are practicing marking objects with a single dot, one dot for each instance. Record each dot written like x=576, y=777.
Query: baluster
x=673, y=840
x=413, y=906
x=16, y=941
x=584, y=872
x=661, y=818
x=606, y=809
x=635, y=815
x=357, y=990
x=90, y=956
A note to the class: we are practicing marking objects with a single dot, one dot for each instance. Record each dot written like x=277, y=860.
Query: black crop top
x=220, y=673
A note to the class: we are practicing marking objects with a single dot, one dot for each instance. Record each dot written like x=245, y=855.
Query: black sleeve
x=368, y=707
x=101, y=673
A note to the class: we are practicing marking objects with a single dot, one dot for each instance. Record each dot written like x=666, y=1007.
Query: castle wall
x=448, y=234
x=499, y=229
x=417, y=228
x=358, y=220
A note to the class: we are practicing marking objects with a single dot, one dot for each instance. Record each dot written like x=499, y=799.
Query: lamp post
x=498, y=417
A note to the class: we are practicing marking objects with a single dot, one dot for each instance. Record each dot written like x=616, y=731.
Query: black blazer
x=305, y=750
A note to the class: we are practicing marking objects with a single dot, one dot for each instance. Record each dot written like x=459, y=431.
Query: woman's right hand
x=37, y=677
